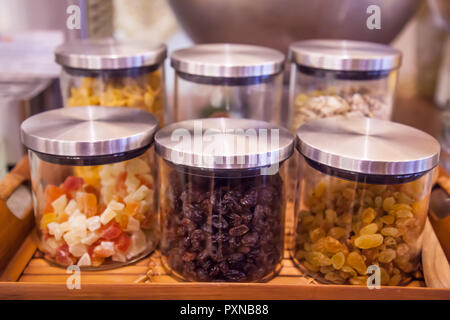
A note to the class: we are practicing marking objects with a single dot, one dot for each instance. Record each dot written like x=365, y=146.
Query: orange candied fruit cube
x=132, y=208
x=48, y=218
x=88, y=203
x=51, y=194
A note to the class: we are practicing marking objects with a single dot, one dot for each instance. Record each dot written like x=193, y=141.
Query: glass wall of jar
x=228, y=80
x=113, y=73
x=93, y=185
x=222, y=204
x=341, y=77
x=362, y=203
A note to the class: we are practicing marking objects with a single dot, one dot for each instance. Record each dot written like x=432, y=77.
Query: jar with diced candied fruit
x=362, y=200
x=93, y=183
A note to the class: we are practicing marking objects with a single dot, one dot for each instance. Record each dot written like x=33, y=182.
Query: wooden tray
x=25, y=275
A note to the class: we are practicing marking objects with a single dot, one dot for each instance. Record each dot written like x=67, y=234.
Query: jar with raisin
x=93, y=185
x=222, y=198
x=113, y=73
x=362, y=200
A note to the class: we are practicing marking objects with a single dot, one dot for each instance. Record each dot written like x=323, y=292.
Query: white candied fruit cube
x=107, y=245
x=116, y=206
x=64, y=227
x=133, y=225
x=107, y=215
x=138, y=244
x=139, y=195
x=50, y=245
x=93, y=223
x=85, y=260
x=78, y=250
x=117, y=168
x=54, y=229
x=119, y=257
x=77, y=224
x=72, y=238
x=138, y=166
x=90, y=238
x=132, y=183
x=60, y=204
x=71, y=207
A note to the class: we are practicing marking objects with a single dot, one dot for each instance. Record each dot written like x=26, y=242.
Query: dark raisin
x=235, y=275
x=238, y=231
x=250, y=199
x=250, y=239
x=219, y=222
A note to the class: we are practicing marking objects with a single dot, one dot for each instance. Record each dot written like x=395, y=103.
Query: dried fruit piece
x=338, y=260
x=318, y=259
x=387, y=256
x=356, y=261
x=388, y=203
x=368, y=215
x=390, y=232
x=369, y=229
x=368, y=241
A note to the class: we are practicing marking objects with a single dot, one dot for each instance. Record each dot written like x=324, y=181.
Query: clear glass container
x=113, y=73
x=228, y=80
x=341, y=77
x=222, y=220
x=364, y=208
x=95, y=200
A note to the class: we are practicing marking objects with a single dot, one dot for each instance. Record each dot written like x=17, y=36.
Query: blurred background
x=30, y=30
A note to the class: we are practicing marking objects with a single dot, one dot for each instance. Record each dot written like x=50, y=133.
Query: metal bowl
x=278, y=23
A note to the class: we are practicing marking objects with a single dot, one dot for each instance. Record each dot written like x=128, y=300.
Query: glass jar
x=93, y=184
x=341, y=77
x=362, y=203
x=113, y=73
x=228, y=80
x=222, y=199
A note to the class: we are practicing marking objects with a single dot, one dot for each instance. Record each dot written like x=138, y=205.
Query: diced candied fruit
x=46, y=219
x=138, y=165
x=122, y=220
x=119, y=257
x=110, y=231
x=338, y=260
x=85, y=260
x=139, y=195
x=356, y=261
x=108, y=215
x=93, y=223
x=72, y=184
x=369, y=229
x=133, y=225
x=138, y=244
x=63, y=255
x=123, y=242
x=105, y=249
x=71, y=207
x=90, y=238
x=146, y=179
x=132, y=183
x=387, y=256
x=390, y=232
x=368, y=241
x=368, y=215
x=120, y=181
x=60, y=204
x=87, y=203
x=318, y=259
x=51, y=194
x=78, y=250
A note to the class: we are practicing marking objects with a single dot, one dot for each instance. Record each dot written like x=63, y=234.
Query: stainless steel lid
x=223, y=143
x=97, y=54
x=88, y=131
x=344, y=55
x=227, y=60
x=368, y=146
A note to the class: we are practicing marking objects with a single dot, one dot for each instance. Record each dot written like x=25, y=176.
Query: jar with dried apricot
x=362, y=200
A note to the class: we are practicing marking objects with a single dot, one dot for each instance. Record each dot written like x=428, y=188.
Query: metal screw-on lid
x=89, y=131
x=97, y=54
x=227, y=60
x=368, y=146
x=223, y=143
x=344, y=55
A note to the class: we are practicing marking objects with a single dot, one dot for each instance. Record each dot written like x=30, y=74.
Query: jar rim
x=344, y=55
x=90, y=131
x=109, y=53
x=368, y=146
x=227, y=60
